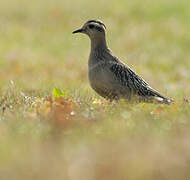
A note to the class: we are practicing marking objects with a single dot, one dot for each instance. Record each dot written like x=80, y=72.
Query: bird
x=109, y=76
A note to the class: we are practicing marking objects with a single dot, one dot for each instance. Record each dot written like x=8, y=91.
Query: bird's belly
x=102, y=84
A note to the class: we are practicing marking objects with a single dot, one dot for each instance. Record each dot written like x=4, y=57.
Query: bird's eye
x=91, y=26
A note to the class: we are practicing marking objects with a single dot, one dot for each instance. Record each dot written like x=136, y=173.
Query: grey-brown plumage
x=110, y=77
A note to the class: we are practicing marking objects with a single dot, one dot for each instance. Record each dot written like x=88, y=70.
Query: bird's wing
x=138, y=86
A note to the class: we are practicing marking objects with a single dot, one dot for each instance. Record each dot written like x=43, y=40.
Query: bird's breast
x=96, y=77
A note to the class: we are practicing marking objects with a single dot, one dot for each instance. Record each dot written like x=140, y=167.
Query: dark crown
x=98, y=22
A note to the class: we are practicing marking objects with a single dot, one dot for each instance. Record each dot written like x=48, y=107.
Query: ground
x=54, y=126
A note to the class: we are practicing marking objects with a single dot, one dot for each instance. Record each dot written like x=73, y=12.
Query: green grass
x=38, y=53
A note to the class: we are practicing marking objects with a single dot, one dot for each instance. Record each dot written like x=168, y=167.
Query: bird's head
x=93, y=28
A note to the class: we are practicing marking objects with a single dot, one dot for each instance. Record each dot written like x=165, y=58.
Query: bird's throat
x=98, y=43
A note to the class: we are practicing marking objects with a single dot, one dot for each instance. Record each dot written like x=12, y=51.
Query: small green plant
x=59, y=93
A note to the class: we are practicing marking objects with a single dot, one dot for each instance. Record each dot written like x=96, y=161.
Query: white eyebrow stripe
x=97, y=23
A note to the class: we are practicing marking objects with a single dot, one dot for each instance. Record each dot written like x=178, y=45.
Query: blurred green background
x=123, y=141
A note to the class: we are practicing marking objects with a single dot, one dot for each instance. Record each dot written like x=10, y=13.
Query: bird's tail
x=163, y=100
x=159, y=98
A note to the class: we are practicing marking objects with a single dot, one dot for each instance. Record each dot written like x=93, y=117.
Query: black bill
x=78, y=31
